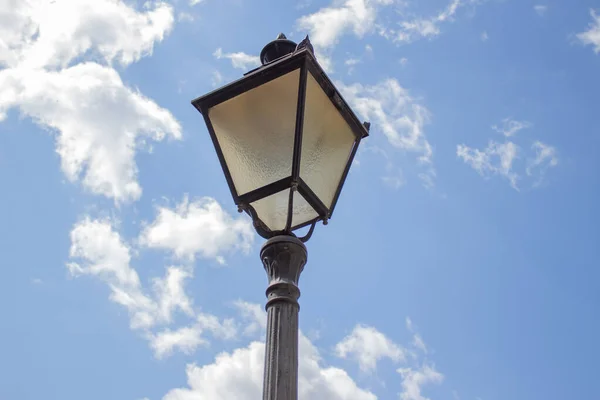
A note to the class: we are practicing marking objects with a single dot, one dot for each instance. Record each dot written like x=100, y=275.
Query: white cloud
x=413, y=381
x=50, y=34
x=391, y=108
x=254, y=315
x=416, y=28
x=198, y=228
x=484, y=36
x=545, y=157
x=185, y=17
x=239, y=375
x=592, y=35
x=510, y=127
x=217, y=78
x=368, y=346
x=99, y=122
x=540, y=9
x=329, y=23
x=98, y=250
x=394, y=181
x=409, y=324
x=239, y=60
x=496, y=158
x=171, y=292
x=188, y=338
x=499, y=158
x=419, y=343
x=194, y=2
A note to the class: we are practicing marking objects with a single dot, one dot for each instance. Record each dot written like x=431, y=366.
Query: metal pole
x=284, y=258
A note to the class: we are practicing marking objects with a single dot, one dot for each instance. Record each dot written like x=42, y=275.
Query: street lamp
x=285, y=139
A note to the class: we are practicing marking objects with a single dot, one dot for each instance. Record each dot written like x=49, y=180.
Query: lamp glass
x=255, y=131
x=327, y=142
x=273, y=210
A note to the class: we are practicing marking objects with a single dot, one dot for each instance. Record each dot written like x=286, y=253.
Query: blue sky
x=461, y=262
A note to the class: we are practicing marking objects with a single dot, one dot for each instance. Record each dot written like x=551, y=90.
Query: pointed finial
x=281, y=36
x=305, y=43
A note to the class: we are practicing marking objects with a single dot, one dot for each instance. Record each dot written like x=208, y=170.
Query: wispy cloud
x=239, y=59
x=193, y=229
x=496, y=158
x=412, y=29
x=400, y=117
x=540, y=9
x=511, y=127
x=327, y=25
x=217, y=78
x=545, y=157
x=413, y=380
x=97, y=249
x=499, y=158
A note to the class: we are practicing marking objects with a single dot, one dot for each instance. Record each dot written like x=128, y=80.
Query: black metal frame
x=304, y=60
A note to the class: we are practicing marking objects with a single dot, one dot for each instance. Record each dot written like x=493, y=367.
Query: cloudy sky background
x=461, y=262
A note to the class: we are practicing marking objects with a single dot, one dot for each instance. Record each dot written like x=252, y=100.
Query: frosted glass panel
x=326, y=143
x=273, y=210
x=256, y=132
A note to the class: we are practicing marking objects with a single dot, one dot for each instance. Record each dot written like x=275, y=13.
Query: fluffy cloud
x=44, y=34
x=188, y=338
x=592, y=35
x=99, y=122
x=368, y=346
x=392, y=109
x=239, y=59
x=198, y=228
x=328, y=24
x=239, y=375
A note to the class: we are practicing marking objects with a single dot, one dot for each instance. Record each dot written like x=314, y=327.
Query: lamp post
x=285, y=139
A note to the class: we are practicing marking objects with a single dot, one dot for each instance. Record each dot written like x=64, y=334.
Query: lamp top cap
x=276, y=49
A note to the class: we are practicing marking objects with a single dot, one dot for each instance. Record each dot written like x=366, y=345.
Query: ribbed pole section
x=284, y=258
